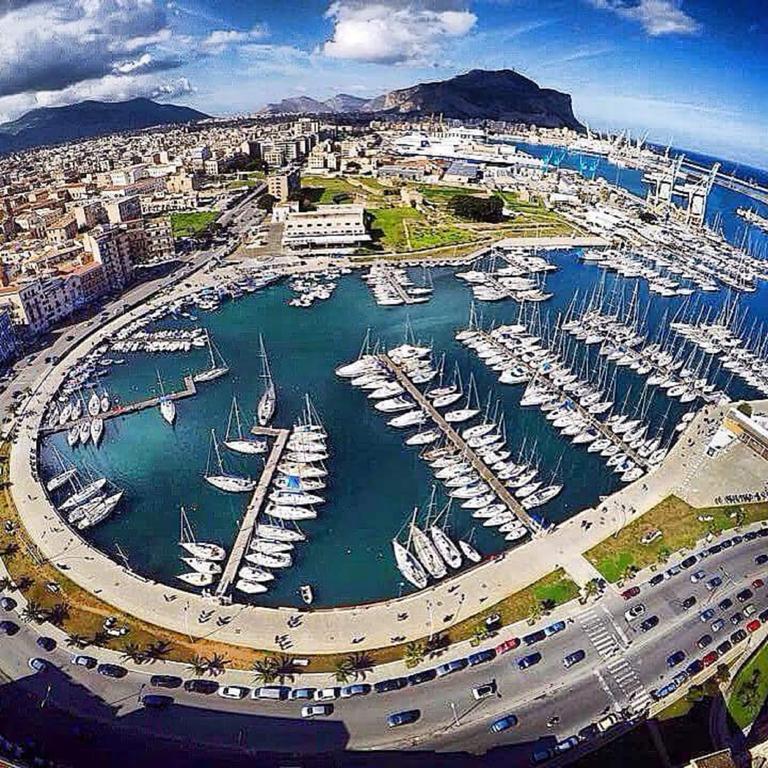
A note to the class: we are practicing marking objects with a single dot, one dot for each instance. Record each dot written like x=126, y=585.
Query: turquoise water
x=375, y=480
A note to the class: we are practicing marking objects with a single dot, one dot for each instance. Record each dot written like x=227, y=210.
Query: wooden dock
x=398, y=289
x=461, y=446
x=245, y=533
x=190, y=389
x=590, y=418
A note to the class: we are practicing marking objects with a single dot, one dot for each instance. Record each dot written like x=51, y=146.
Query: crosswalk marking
x=606, y=641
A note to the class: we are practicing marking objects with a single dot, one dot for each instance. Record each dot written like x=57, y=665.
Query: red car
x=758, y=583
x=628, y=594
x=508, y=645
x=753, y=625
x=709, y=659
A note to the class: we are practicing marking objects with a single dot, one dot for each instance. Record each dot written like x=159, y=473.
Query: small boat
x=299, y=470
x=100, y=512
x=469, y=551
x=83, y=495
x=85, y=432
x=94, y=405
x=58, y=480
x=104, y=402
x=237, y=442
x=196, y=579
x=168, y=410
x=307, y=595
x=278, y=533
x=427, y=553
x=73, y=436
x=217, y=368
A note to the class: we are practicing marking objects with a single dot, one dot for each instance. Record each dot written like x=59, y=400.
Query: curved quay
x=322, y=631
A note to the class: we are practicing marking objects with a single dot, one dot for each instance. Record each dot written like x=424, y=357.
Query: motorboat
x=307, y=595
x=297, y=469
x=85, y=432
x=270, y=547
x=284, y=512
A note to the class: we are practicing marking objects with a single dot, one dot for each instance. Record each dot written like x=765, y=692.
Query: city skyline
x=693, y=75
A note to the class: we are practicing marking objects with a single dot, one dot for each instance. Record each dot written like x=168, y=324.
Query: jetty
x=189, y=390
x=588, y=417
x=245, y=532
x=482, y=469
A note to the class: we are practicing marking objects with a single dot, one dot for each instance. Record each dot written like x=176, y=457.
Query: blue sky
x=694, y=72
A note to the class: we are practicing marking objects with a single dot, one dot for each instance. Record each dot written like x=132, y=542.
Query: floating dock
x=245, y=533
x=461, y=446
x=190, y=389
x=590, y=418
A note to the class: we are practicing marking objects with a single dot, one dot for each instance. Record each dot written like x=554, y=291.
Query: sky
x=690, y=72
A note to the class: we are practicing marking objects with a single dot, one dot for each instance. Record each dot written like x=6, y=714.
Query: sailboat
x=237, y=442
x=84, y=494
x=94, y=405
x=167, y=406
x=198, y=549
x=426, y=552
x=409, y=566
x=224, y=481
x=217, y=368
x=196, y=579
x=469, y=551
x=97, y=430
x=66, y=474
x=268, y=401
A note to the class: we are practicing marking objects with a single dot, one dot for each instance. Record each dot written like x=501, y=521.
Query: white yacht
x=268, y=400
x=222, y=480
x=196, y=579
x=445, y=546
x=426, y=552
x=411, y=570
x=97, y=430
x=202, y=566
x=84, y=494
x=238, y=442
x=200, y=550
x=248, y=587
x=278, y=532
x=250, y=573
x=469, y=551
x=217, y=368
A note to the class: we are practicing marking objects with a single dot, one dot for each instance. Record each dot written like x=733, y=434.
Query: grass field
x=189, y=224
x=387, y=226
x=322, y=191
x=681, y=528
x=749, y=689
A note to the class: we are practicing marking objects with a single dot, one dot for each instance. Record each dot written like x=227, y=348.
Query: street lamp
x=455, y=715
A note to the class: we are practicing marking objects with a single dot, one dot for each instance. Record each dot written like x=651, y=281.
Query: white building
x=331, y=229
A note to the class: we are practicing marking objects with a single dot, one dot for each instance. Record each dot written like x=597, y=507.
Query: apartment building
x=283, y=184
x=118, y=248
x=331, y=229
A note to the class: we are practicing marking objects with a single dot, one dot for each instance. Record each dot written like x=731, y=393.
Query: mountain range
x=86, y=119
x=478, y=94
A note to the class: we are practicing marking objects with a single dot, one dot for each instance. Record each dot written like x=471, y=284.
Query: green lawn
x=191, y=223
x=680, y=527
x=322, y=191
x=387, y=226
x=749, y=689
x=426, y=236
x=437, y=194
x=556, y=587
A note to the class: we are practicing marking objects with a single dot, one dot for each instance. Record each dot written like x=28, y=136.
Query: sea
x=375, y=481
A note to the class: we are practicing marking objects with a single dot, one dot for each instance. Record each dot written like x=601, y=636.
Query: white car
x=634, y=612
x=317, y=710
x=233, y=692
x=326, y=694
x=484, y=691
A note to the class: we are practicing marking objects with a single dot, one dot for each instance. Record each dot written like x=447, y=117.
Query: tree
x=134, y=652
x=265, y=670
x=723, y=674
x=285, y=667
x=5, y=584
x=414, y=653
x=694, y=694
x=266, y=202
x=216, y=664
x=198, y=665
x=437, y=642
x=78, y=641
x=360, y=663
x=592, y=588
x=487, y=209
x=33, y=611
x=745, y=408
x=23, y=583
x=59, y=614
x=548, y=605
x=100, y=637
x=535, y=614
x=158, y=649
x=9, y=550
x=342, y=670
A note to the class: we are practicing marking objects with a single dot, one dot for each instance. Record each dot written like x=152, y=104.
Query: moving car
x=689, y=602
x=649, y=623
x=317, y=710
x=503, y=723
x=406, y=717
x=46, y=643
x=628, y=594
x=484, y=691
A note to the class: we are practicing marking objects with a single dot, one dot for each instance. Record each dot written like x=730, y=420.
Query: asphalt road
x=621, y=666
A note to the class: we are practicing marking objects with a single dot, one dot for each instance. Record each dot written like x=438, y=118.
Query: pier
x=590, y=418
x=254, y=507
x=461, y=446
x=189, y=390
x=394, y=283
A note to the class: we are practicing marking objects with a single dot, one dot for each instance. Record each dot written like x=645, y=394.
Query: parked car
x=675, y=658
x=394, y=684
x=724, y=647
x=694, y=668
x=272, y=692
x=649, y=623
x=638, y=609
x=165, y=681
x=508, y=645
x=326, y=694
x=406, y=717
x=738, y=636
x=8, y=628
x=7, y=603
x=37, y=664
x=704, y=641
x=724, y=605
x=451, y=666
x=628, y=594
x=709, y=659
x=717, y=625
x=761, y=559
x=357, y=689
x=234, y=691
x=156, y=701
x=654, y=581
x=737, y=618
x=707, y=615
x=698, y=576
x=713, y=583
x=417, y=678
x=608, y=722
x=302, y=694
x=758, y=584
x=534, y=637
x=112, y=670
x=744, y=595
x=205, y=687
x=688, y=562
x=554, y=629
x=753, y=626
x=503, y=723
x=46, y=643
x=689, y=602
x=481, y=657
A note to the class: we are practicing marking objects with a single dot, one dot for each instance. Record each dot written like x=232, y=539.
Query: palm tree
x=216, y=664
x=59, y=614
x=343, y=671
x=158, y=649
x=198, y=665
x=360, y=663
x=133, y=652
x=414, y=653
x=34, y=612
x=265, y=670
x=592, y=588
x=78, y=641
x=100, y=637
x=5, y=584
x=285, y=666
x=535, y=613
x=9, y=550
x=23, y=583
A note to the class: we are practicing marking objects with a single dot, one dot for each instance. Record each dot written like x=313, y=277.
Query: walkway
x=480, y=466
x=251, y=513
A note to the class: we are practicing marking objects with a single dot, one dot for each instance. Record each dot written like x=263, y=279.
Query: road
x=621, y=667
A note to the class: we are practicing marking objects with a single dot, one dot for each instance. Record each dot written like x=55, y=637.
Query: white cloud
x=221, y=39
x=394, y=32
x=657, y=17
